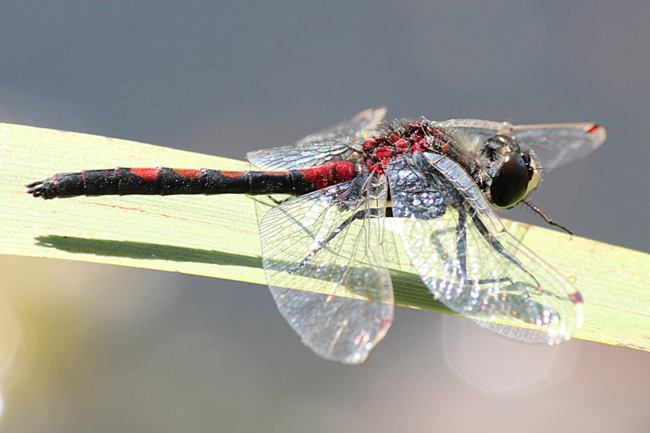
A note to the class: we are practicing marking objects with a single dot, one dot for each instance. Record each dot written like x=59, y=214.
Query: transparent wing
x=295, y=158
x=483, y=129
x=555, y=145
x=324, y=263
x=367, y=119
x=333, y=144
x=469, y=261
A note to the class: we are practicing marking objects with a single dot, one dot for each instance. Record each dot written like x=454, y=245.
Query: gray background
x=130, y=350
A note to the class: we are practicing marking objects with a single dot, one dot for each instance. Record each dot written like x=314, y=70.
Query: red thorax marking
x=410, y=138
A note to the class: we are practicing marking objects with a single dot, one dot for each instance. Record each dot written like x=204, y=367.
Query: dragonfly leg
x=499, y=248
x=279, y=202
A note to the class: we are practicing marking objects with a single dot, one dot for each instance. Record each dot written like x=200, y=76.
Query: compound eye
x=510, y=184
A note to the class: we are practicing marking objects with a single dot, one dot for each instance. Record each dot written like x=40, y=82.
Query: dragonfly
x=434, y=185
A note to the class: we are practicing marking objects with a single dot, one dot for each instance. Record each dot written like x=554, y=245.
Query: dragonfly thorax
x=504, y=172
x=404, y=137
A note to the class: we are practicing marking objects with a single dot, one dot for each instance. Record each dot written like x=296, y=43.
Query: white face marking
x=534, y=181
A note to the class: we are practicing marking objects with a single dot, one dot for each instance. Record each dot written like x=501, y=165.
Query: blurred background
x=98, y=348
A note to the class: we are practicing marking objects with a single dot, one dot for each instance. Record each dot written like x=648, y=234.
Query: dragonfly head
x=516, y=172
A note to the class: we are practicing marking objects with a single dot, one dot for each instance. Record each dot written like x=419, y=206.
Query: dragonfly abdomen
x=171, y=181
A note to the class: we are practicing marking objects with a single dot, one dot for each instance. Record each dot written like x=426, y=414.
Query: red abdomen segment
x=168, y=181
